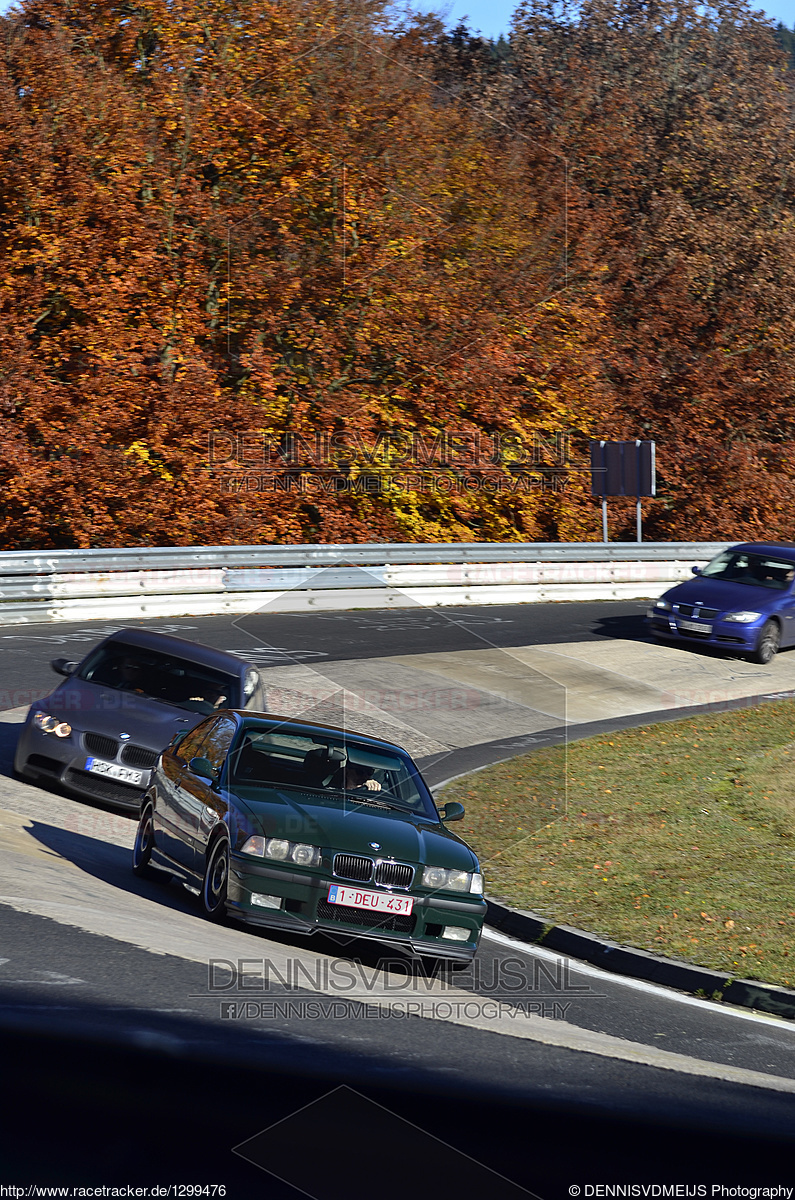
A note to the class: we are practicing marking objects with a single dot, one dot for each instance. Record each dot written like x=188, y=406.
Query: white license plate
x=126, y=774
x=377, y=901
x=695, y=626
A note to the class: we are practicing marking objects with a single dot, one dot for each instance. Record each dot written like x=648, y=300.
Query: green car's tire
x=144, y=842
x=216, y=879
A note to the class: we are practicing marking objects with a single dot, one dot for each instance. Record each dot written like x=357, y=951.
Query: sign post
x=623, y=469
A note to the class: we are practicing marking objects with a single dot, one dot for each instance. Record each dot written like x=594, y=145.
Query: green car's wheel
x=216, y=878
x=144, y=841
x=768, y=644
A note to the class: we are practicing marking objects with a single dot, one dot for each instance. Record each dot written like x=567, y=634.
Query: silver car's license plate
x=695, y=626
x=126, y=774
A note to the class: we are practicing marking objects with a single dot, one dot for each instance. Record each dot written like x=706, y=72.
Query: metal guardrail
x=176, y=558
x=79, y=584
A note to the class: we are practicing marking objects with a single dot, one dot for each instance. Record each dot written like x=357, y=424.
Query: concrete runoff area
x=432, y=702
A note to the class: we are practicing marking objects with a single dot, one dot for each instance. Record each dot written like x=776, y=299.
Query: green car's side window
x=190, y=746
x=217, y=740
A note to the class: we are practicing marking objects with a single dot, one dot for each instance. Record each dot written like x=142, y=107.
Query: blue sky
x=492, y=17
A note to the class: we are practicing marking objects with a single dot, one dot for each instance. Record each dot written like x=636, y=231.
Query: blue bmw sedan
x=742, y=601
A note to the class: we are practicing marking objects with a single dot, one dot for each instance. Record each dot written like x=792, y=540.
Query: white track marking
x=640, y=985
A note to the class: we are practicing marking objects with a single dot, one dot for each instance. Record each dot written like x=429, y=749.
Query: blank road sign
x=622, y=469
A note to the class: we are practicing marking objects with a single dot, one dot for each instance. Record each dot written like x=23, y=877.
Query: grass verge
x=677, y=838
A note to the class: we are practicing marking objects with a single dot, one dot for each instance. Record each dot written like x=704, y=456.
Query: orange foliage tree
x=676, y=117
x=265, y=220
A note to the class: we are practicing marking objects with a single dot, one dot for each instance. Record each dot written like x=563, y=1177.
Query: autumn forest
x=315, y=271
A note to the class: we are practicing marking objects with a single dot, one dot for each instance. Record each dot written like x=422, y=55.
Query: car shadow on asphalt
x=83, y=845
x=628, y=628
x=635, y=629
x=9, y=736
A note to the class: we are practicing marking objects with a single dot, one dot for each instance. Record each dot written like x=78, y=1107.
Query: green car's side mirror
x=452, y=811
x=203, y=768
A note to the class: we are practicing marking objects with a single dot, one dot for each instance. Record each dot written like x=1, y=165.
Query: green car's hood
x=350, y=827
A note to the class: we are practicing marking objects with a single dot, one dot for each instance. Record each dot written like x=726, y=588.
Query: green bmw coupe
x=307, y=828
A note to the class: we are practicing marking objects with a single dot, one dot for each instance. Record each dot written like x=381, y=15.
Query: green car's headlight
x=277, y=848
x=434, y=877
x=452, y=881
x=305, y=855
x=457, y=881
x=280, y=850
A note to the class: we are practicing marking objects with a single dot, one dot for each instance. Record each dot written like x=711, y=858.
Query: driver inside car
x=130, y=674
x=355, y=777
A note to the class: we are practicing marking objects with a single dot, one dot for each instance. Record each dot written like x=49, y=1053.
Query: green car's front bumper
x=303, y=907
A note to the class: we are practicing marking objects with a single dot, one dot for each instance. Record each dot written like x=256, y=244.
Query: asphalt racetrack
x=143, y=1046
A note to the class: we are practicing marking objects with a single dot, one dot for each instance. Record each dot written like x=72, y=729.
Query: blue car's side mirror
x=63, y=666
x=696, y=570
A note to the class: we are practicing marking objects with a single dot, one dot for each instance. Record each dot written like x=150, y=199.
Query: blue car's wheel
x=216, y=879
x=768, y=644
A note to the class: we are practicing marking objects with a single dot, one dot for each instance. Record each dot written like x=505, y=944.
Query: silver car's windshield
x=336, y=766
x=754, y=570
x=163, y=677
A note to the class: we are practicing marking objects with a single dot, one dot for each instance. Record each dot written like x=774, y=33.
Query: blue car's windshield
x=755, y=570
x=285, y=756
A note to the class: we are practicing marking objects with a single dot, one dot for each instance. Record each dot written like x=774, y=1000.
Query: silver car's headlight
x=452, y=881
x=280, y=850
x=742, y=618
x=50, y=724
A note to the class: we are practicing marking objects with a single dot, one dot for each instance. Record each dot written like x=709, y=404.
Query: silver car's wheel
x=768, y=644
x=144, y=841
x=216, y=879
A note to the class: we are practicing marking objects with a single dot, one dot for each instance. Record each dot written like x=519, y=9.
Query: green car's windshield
x=163, y=677
x=284, y=756
x=755, y=570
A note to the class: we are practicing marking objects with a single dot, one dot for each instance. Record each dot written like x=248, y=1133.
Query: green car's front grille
x=352, y=866
x=392, y=874
x=393, y=922
x=360, y=869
